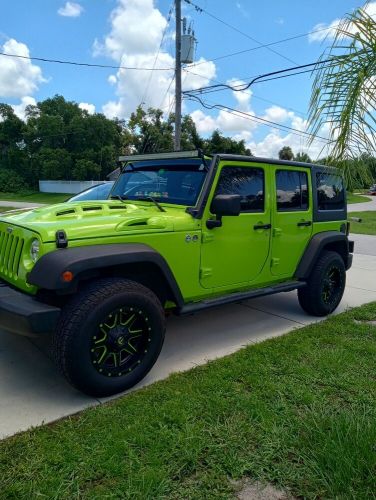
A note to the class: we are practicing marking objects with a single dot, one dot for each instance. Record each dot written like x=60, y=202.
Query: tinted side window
x=330, y=191
x=246, y=181
x=292, y=190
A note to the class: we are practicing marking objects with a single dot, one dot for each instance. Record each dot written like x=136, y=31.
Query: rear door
x=291, y=218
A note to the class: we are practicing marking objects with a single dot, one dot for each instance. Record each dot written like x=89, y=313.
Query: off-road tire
x=312, y=297
x=79, y=321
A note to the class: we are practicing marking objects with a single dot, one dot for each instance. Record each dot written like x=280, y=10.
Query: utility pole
x=178, y=76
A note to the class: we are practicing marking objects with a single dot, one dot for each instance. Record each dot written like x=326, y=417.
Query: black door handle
x=305, y=223
x=262, y=226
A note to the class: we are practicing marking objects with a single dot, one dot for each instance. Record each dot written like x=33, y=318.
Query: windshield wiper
x=118, y=197
x=150, y=198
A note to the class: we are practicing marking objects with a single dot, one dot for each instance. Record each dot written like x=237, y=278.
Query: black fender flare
x=48, y=270
x=318, y=243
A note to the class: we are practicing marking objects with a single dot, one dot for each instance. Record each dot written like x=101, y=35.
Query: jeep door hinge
x=206, y=272
x=207, y=237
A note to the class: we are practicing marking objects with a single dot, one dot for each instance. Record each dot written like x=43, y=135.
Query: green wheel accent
x=120, y=342
x=331, y=285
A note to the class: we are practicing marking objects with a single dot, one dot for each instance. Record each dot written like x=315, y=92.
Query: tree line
x=60, y=141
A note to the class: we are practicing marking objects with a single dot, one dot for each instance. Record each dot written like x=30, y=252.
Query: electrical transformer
x=188, y=44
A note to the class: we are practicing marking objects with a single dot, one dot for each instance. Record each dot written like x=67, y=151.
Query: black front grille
x=11, y=246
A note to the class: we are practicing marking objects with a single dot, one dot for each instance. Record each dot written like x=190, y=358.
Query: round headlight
x=34, y=250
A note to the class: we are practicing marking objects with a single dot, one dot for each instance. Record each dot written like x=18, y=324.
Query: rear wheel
x=325, y=285
x=109, y=336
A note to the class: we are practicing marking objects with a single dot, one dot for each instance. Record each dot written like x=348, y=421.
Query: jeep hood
x=100, y=219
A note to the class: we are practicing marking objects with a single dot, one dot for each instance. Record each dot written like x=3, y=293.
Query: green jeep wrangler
x=181, y=232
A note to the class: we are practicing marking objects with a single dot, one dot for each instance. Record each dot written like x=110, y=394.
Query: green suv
x=181, y=232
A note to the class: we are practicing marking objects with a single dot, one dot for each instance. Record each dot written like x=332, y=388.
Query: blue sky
x=129, y=32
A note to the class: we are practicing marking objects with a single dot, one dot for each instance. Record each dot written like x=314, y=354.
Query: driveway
x=32, y=392
x=363, y=207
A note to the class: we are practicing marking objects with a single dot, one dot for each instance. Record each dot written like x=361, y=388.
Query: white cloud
x=280, y=20
x=274, y=141
x=200, y=75
x=136, y=28
x=90, y=108
x=18, y=77
x=112, y=80
x=71, y=9
x=134, y=39
x=20, y=109
x=239, y=127
x=328, y=30
x=229, y=122
x=277, y=114
x=205, y=124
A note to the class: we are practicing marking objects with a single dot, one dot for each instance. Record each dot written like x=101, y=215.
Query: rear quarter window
x=330, y=191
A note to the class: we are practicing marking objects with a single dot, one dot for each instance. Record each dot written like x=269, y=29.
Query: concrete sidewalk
x=363, y=207
x=32, y=392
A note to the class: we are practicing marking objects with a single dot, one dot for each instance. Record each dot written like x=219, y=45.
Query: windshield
x=168, y=182
x=99, y=192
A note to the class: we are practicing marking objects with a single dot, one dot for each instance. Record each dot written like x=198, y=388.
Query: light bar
x=162, y=156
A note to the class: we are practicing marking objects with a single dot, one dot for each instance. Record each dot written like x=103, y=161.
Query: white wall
x=72, y=187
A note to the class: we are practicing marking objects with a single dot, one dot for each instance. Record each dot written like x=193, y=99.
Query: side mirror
x=223, y=205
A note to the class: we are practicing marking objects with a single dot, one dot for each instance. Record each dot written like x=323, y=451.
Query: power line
x=258, y=119
x=263, y=46
x=273, y=75
x=254, y=96
x=234, y=28
x=89, y=65
x=157, y=54
x=168, y=89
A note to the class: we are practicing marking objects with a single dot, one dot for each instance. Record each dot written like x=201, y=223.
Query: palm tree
x=344, y=90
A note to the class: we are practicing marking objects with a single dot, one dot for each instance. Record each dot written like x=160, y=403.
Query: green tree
x=286, y=153
x=218, y=143
x=303, y=157
x=150, y=132
x=53, y=164
x=344, y=92
x=57, y=124
x=86, y=169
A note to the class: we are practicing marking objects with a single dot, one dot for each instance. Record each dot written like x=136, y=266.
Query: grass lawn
x=6, y=209
x=357, y=198
x=36, y=197
x=297, y=411
x=368, y=224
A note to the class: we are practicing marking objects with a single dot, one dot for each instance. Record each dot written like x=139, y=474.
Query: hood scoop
x=142, y=222
x=91, y=209
x=68, y=211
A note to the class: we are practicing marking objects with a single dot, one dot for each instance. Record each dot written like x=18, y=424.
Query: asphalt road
x=32, y=392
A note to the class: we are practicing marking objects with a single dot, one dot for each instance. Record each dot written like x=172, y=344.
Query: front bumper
x=20, y=313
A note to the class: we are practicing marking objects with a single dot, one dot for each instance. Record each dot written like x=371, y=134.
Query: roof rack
x=163, y=156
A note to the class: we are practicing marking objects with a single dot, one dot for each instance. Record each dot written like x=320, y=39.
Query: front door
x=292, y=218
x=235, y=253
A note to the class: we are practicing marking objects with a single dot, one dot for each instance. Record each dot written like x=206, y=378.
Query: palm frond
x=344, y=90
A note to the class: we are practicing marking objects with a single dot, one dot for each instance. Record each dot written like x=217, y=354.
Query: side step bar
x=193, y=307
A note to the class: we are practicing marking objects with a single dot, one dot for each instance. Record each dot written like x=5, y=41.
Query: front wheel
x=109, y=336
x=325, y=285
